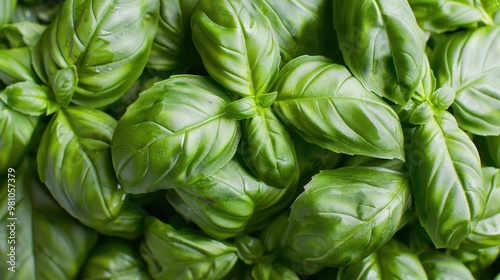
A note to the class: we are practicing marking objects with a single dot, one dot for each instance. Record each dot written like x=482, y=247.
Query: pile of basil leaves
x=250, y=139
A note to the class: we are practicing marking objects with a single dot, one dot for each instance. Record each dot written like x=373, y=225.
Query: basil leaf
x=299, y=26
x=230, y=202
x=237, y=45
x=108, y=41
x=22, y=33
x=382, y=45
x=268, y=150
x=16, y=66
x=493, y=143
x=115, y=259
x=173, y=49
x=392, y=261
x=346, y=214
x=29, y=98
x=475, y=77
x=189, y=135
x=478, y=260
x=250, y=249
x=16, y=132
x=74, y=161
x=442, y=266
x=63, y=84
x=439, y=16
x=47, y=242
x=184, y=254
x=487, y=231
x=6, y=11
x=330, y=108
x=447, y=181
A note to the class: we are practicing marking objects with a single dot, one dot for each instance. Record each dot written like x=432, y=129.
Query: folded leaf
x=173, y=49
x=392, y=261
x=16, y=66
x=74, y=161
x=237, y=45
x=189, y=136
x=29, y=98
x=108, y=41
x=183, y=254
x=346, y=214
x=268, y=150
x=446, y=179
x=382, y=45
x=438, y=265
x=440, y=16
x=6, y=11
x=115, y=259
x=230, y=202
x=16, y=132
x=473, y=75
x=329, y=107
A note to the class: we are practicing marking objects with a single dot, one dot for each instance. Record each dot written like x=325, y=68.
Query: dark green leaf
x=16, y=131
x=115, y=259
x=493, y=143
x=329, y=107
x=392, y=261
x=175, y=134
x=442, y=266
x=173, y=49
x=63, y=84
x=440, y=16
x=184, y=254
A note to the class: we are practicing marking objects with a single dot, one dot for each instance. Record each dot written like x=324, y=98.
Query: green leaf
x=173, y=49
x=22, y=33
x=16, y=132
x=250, y=249
x=447, y=181
x=63, y=84
x=392, y=261
x=473, y=75
x=329, y=107
x=300, y=26
x=346, y=214
x=183, y=254
x=382, y=45
x=115, y=259
x=268, y=150
x=107, y=40
x=74, y=161
x=439, y=16
x=230, y=202
x=29, y=98
x=493, y=143
x=487, y=231
x=478, y=260
x=189, y=137
x=47, y=242
x=237, y=45
x=6, y=10
x=442, y=266
x=243, y=108
x=16, y=66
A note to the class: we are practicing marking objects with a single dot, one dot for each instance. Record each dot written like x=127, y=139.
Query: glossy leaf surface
x=189, y=135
